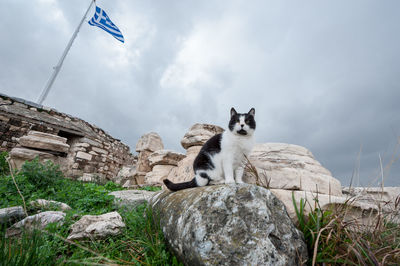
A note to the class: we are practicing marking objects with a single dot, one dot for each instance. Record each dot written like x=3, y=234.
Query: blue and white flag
x=101, y=20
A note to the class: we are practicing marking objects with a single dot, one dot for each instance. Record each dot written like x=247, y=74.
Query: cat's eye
x=246, y=121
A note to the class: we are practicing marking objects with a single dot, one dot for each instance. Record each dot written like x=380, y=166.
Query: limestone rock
x=149, y=142
x=198, y=134
x=362, y=213
x=20, y=155
x=143, y=164
x=165, y=157
x=292, y=167
x=130, y=183
x=39, y=221
x=97, y=226
x=11, y=214
x=47, y=136
x=184, y=171
x=126, y=172
x=158, y=174
x=39, y=140
x=229, y=225
x=131, y=198
x=92, y=178
x=42, y=203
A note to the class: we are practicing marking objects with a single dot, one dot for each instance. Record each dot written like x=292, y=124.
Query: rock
x=374, y=194
x=44, y=141
x=126, y=172
x=37, y=221
x=20, y=155
x=362, y=213
x=97, y=226
x=84, y=156
x=291, y=167
x=42, y=203
x=129, y=183
x=229, y=225
x=131, y=198
x=149, y=142
x=143, y=164
x=184, y=171
x=47, y=136
x=11, y=214
x=165, y=157
x=92, y=178
x=198, y=134
x=386, y=199
x=158, y=174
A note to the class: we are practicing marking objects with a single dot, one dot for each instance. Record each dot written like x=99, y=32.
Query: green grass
x=140, y=243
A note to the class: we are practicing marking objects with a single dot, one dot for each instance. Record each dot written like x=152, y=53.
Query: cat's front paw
x=229, y=181
x=239, y=182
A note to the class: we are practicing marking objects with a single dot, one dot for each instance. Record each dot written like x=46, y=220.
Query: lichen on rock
x=237, y=224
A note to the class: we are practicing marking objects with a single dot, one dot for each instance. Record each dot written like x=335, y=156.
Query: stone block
x=84, y=156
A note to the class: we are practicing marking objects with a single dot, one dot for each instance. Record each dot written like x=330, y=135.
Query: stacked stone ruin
x=83, y=150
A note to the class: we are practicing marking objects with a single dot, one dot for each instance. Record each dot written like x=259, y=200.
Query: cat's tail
x=178, y=186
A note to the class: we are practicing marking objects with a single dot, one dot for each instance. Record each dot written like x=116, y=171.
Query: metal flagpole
x=60, y=62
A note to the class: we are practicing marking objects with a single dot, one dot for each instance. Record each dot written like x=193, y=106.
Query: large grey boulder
x=11, y=214
x=97, y=226
x=37, y=221
x=238, y=224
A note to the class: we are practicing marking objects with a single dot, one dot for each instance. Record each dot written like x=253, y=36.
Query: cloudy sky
x=323, y=75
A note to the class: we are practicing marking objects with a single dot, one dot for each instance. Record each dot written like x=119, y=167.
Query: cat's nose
x=242, y=125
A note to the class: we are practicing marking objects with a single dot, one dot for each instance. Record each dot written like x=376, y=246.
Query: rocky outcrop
x=131, y=198
x=97, y=226
x=11, y=214
x=229, y=225
x=290, y=167
x=37, y=221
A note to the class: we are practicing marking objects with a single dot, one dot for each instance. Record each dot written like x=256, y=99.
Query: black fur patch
x=249, y=120
x=211, y=147
x=233, y=121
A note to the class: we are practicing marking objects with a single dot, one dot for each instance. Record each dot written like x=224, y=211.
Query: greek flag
x=101, y=20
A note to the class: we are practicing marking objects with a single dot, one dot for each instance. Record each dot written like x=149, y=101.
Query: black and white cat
x=222, y=156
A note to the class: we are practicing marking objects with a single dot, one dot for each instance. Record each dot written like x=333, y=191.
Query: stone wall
x=92, y=151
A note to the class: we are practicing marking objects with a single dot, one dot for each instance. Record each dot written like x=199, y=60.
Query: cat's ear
x=252, y=112
x=233, y=112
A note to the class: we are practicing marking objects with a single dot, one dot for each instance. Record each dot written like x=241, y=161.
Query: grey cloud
x=323, y=75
